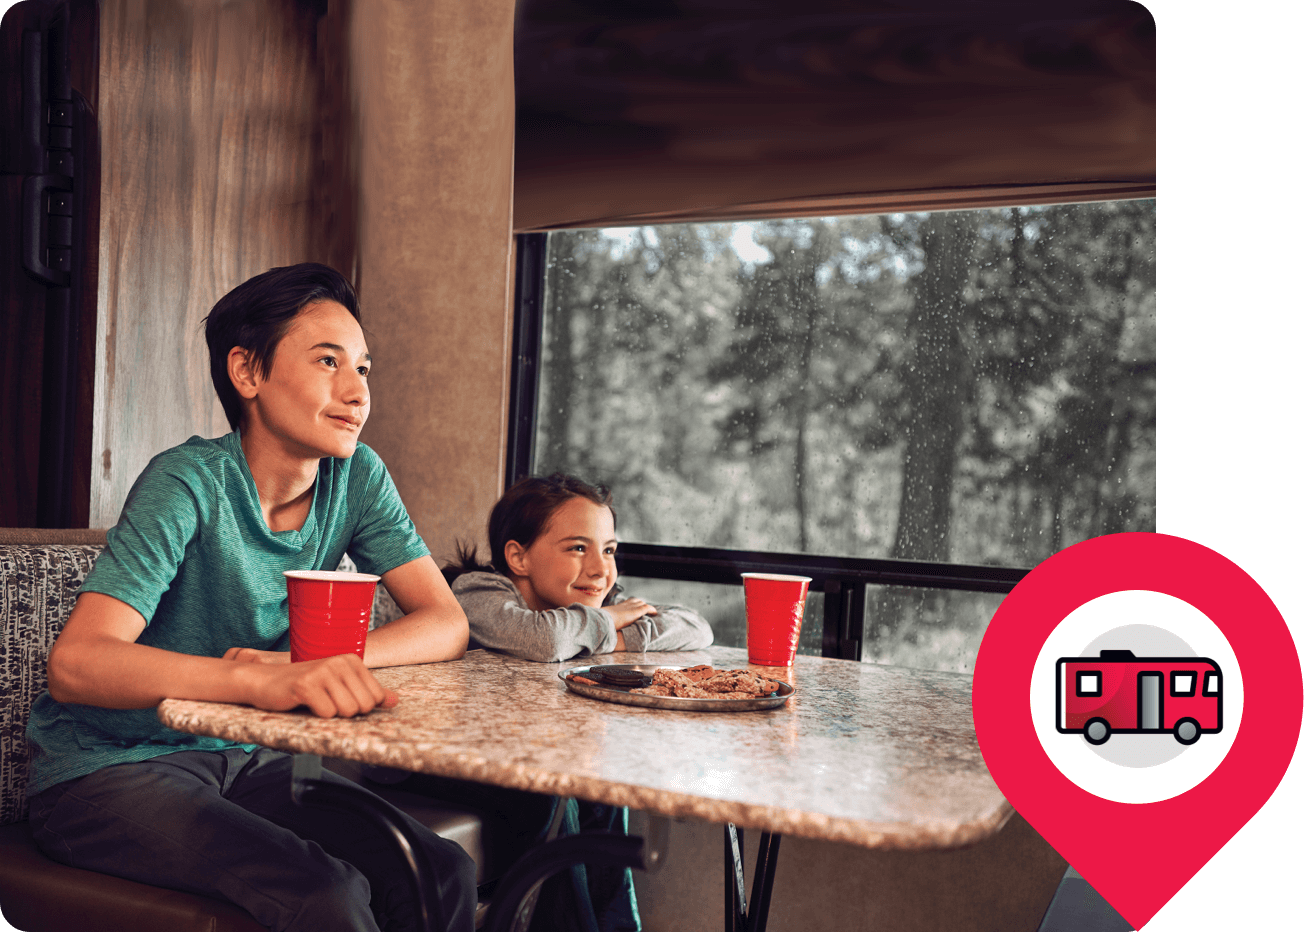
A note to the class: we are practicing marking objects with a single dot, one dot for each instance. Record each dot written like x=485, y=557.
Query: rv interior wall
x=47, y=321
x=1003, y=883
x=435, y=119
x=209, y=116
x=243, y=135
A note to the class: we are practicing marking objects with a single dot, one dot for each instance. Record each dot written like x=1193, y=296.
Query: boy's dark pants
x=221, y=823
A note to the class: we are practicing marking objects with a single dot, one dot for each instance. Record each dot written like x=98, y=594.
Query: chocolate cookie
x=619, y=676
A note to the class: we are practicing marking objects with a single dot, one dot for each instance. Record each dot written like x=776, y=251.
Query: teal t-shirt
x=192, y=554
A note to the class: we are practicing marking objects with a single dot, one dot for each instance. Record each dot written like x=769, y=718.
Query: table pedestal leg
x=541, y=862
x=737, y=916
x=308, y=789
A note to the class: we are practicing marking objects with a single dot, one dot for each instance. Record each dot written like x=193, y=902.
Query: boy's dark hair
x=256, y=314
x=521, y=515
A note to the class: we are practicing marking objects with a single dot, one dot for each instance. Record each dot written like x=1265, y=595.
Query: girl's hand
x=629, y=611
x=253, y=655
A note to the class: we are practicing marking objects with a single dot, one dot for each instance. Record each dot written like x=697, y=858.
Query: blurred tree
x=935, y=379
x=768, y=362
x=1064, y=351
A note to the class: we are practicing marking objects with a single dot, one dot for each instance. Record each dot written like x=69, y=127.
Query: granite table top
x=878, y=756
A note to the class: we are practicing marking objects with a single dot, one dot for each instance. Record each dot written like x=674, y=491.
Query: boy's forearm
x=427, y=635
x=115, y=674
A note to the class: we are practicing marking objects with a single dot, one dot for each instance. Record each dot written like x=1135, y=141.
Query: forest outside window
x=970, y=387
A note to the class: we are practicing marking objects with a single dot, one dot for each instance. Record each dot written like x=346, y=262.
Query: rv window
x=964, y=387
x=1211, y=684
x=1183, y=684
x=1088, y=683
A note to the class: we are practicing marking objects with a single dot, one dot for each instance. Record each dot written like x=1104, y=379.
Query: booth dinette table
x=877, y=756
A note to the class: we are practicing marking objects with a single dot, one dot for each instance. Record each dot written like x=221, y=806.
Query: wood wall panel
x=435, y=111
x=210, y=123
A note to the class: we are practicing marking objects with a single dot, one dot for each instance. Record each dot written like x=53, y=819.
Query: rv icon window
x=1183, y=684
x=1211, y=684
x=1088, y=682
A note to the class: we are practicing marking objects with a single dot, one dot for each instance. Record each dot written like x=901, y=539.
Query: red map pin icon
x=1137, y=855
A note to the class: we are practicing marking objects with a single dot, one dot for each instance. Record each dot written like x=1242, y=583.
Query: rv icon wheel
x=1187, y=731
x=1098, y=731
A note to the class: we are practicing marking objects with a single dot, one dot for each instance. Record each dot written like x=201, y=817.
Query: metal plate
x=623, y=695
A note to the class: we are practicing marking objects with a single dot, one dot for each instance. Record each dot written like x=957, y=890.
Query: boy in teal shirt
x=188, y=601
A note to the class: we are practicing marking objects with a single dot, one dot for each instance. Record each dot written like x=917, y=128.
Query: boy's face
x=574, y=559
x=314, y=400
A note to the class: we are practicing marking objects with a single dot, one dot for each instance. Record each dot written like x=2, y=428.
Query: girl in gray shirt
x=549, y=593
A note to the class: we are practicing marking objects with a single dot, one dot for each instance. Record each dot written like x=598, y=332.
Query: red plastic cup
x=329, y=612
x=775, y=605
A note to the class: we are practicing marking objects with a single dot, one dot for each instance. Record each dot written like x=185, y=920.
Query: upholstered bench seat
x=40, y=895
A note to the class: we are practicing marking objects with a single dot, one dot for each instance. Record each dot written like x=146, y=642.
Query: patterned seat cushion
x=384, y=609
x=38, y=586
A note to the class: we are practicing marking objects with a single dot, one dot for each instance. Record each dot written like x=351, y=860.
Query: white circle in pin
x=1146, y=767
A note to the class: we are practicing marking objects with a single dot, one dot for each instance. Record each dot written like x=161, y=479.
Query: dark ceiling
x=831, y=96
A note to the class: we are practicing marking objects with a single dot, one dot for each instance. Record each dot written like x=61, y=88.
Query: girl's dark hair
x=522, y=514
x=256, y=314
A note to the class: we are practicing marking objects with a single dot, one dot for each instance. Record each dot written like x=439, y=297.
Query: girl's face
x=572, y=560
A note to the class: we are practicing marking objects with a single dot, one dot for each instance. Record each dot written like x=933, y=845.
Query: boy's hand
x=334, y=686
x=253, y=655
x=629, y=611
x=96, y=661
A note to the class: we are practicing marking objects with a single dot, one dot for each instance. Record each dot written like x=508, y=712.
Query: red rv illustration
x=1120, y=693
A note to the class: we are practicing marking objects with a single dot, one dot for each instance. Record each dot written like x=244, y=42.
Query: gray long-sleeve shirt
x=501, y=620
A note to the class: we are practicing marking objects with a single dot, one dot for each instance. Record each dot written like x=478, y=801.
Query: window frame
x=1100, y=684
x=1184, y=693
x=843, y=580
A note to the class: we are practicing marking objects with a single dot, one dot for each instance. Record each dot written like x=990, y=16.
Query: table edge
x=899, y=836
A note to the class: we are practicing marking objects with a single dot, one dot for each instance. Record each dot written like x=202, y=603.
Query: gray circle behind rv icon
x=1143, y=641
